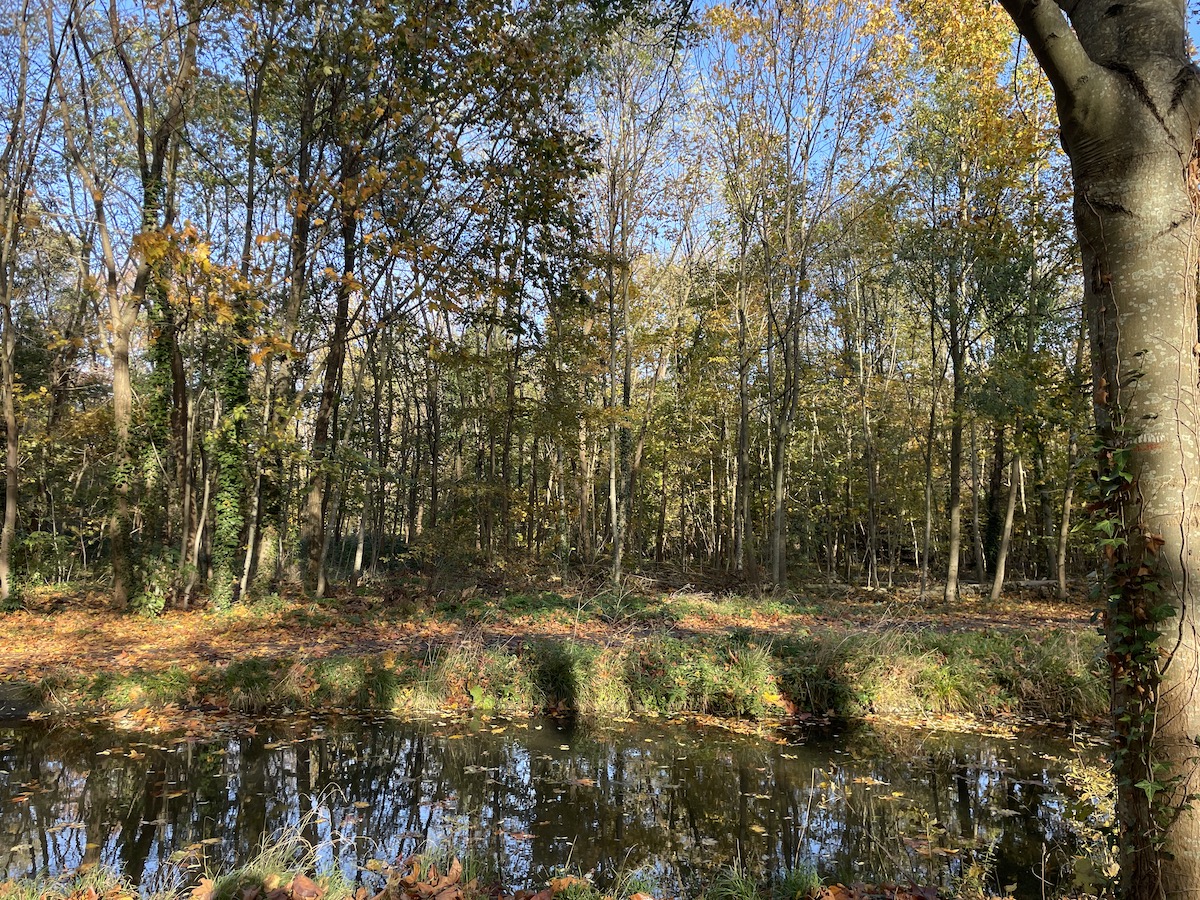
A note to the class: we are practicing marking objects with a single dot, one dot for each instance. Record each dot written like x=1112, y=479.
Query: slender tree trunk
x=1006, y=533
x=12, y=455
x=936, y=377
x=312, y=536
x=954, y=543
x=743, y=527
x=1064, y=522
x=976, y=520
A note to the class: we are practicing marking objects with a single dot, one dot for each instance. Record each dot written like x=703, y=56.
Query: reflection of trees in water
x=676, y=800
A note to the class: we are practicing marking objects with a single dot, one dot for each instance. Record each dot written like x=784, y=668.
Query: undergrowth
x=1057, y=676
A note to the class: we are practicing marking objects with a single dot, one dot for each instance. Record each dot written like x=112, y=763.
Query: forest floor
x=410, y=644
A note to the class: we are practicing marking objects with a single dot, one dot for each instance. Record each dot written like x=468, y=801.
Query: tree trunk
x=954, y=545
x=1064, y=523
x=936, y=377
x=1128, y=99
x=12, y=455
x=1006, y=533
x=312, y=536
x=976, y=521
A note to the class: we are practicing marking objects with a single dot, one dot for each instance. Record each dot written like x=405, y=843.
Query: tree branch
x=1057, y=48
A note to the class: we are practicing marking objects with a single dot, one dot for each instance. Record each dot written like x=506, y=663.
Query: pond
x=675, y=799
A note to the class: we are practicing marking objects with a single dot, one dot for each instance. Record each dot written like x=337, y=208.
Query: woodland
x=309, y=293
x=301, y=298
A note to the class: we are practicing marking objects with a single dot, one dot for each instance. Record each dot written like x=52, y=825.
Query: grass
x=590, y=680
x=287, y=867
x=95, y=884
x=278, y=861
x=796, y=884
x=735, y=883
x=728, y=675
x=1055, y=676
x=599, y=656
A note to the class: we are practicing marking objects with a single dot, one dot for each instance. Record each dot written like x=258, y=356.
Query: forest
x=310, y=292
x=484, y=321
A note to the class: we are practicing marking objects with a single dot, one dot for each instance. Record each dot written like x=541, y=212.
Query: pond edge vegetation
x=739, y=673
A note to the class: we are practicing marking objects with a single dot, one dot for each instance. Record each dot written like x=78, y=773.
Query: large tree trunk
x=1129, y=103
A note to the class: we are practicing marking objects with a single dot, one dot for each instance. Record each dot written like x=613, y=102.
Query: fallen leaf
x=205, y=890
x=304, y=888
x=558, y=885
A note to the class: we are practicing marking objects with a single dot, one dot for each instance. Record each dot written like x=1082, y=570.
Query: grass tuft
x=279, y=859
x=732, y=883
x=99, y=883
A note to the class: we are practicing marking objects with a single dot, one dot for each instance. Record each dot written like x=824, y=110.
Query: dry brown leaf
x=204, y=890
x=558, y=885
x=304, y=888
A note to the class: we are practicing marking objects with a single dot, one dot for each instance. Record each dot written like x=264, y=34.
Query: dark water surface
x=675, y=799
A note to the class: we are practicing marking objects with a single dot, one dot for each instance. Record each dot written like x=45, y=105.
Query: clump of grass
x=731, y=677
x=476, y=865
x=354, y=681
x=732, y=883
x=141, y=688
x=816, y=673
x=928, y=671
x=252, y=685
x=1060, y=675
x=797, y=883
x=279, y=860
x=492, y=679
x=745, y=684
x=589, y=680
x=537, y=606
x=99, y=883
x=628, y=883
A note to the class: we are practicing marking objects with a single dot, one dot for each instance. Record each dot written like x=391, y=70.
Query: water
x=675, y=799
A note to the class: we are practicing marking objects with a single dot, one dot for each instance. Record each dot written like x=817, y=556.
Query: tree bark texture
x=1128, y=97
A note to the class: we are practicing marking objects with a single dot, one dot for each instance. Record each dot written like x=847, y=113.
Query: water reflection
x=675, y=799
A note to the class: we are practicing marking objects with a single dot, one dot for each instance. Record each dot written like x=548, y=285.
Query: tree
x=821, y=90
x=1128, y=98
x=24, y=104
